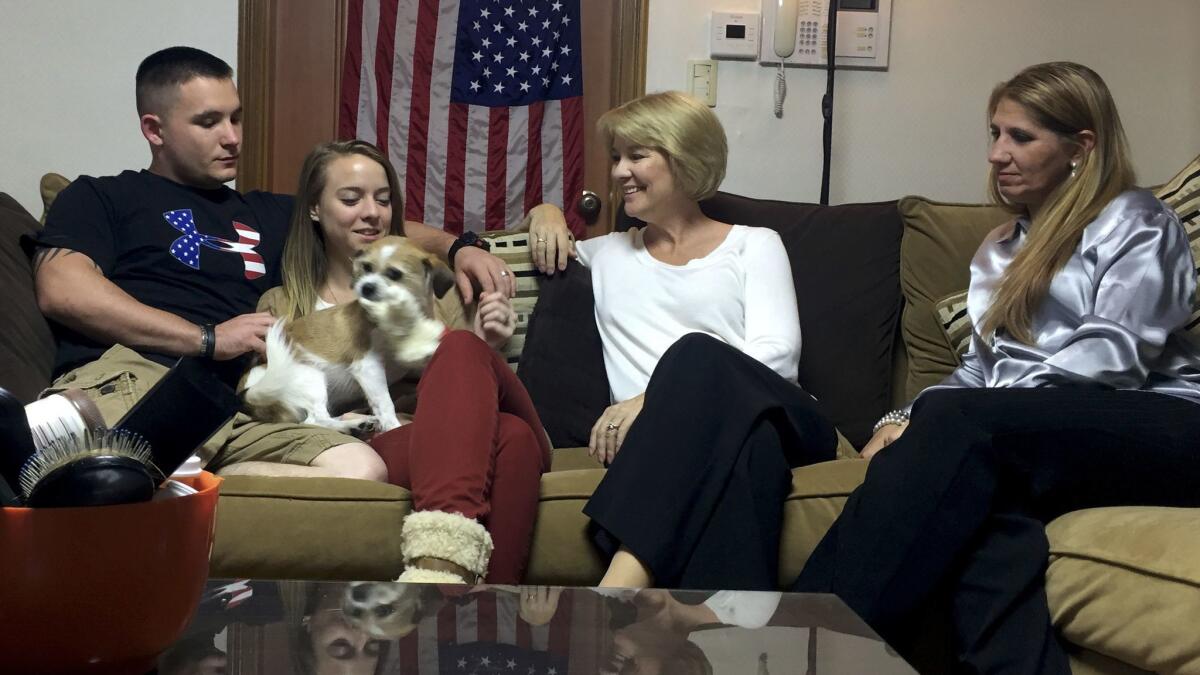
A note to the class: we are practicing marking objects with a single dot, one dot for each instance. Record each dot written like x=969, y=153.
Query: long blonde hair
x=305, y=261
x=1065, y=98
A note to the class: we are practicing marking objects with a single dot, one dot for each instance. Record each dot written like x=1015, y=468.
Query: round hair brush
x=95, y=469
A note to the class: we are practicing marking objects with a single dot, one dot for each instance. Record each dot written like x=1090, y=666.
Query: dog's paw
x=389, y=423
x=366, y=426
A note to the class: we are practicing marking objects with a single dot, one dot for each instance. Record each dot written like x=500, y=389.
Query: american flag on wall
x=478, y=103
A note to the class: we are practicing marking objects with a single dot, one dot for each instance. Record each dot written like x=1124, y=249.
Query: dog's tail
x=266, y=385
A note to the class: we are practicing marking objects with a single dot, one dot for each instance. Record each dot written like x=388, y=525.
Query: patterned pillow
x=514, y=250
x=956, y=323
x=1181, y=193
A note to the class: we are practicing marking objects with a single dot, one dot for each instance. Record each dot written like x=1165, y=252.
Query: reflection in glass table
x=328, y=628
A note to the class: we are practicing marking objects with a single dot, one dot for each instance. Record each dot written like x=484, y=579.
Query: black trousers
x=697, y=490
x=958, y=505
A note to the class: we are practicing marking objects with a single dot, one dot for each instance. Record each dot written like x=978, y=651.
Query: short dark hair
x=171, y=67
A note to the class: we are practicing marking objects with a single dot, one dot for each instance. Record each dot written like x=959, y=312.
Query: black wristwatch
x=466, y=239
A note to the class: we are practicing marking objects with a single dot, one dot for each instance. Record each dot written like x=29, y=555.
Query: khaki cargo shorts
x=121, y=376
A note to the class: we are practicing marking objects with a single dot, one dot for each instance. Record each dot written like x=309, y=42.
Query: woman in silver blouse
x=1080, y=389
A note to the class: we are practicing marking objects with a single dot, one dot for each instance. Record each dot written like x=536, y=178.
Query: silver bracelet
x=896, y=417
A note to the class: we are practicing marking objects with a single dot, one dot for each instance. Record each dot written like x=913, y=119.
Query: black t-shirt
x=204, y=255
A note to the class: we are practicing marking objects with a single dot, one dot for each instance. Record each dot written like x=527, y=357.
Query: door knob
x=589, y=206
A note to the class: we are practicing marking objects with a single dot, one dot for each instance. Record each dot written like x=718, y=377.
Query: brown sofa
x=1124, y=584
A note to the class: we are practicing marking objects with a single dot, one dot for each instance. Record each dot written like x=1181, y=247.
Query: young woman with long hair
x=475, y=450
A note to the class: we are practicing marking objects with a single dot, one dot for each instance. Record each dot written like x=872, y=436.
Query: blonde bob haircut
x=683, y=129
x=305, y=260
x=1066, y=99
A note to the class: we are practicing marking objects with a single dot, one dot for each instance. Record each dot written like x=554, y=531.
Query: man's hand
x=551, y=243
x=886, y=435
x=491, y=273
x=241, y=334
x=608, y=433
x=495, y=319
x=538, y=604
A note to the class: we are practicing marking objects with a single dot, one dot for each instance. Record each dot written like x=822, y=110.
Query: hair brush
x=95, y=469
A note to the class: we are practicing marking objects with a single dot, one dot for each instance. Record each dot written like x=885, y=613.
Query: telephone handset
x=786, y=13
x=784, y=43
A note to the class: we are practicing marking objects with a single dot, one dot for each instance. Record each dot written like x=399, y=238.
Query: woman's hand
x=495, y=319
x=538, y=604
x=608, y=433
x=886, y=435
x=551, y=243
x=491, y=273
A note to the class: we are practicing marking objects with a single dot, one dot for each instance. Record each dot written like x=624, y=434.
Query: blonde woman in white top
x=701, y=342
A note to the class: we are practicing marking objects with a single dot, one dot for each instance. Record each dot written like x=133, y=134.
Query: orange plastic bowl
x=102, y=590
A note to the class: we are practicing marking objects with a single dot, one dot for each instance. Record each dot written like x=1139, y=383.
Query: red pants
x=475, y=447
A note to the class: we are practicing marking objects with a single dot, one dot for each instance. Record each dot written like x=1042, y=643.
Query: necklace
x=332, y=296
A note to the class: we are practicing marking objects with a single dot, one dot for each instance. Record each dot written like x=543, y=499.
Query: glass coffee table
x=327, y=628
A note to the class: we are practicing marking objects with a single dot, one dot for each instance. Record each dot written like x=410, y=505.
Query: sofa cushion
x=939, y=241
x=300, y=528
x=818, y=494
x=563, y=553
x=26, y=344
x=562, y=363
x=50, y=185
x=844, y=264
x=1124, y=582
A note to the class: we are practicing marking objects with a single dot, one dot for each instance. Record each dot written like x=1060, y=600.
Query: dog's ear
x=440, y=276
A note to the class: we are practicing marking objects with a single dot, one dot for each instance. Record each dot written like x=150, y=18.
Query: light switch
x=702, y=80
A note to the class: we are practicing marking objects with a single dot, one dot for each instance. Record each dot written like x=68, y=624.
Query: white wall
x=66, y=81
x=920, y=127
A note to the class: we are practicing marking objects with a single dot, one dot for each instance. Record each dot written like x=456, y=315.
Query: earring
x=1074, y=167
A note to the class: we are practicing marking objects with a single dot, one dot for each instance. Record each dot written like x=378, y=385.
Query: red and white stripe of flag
x=465, y=167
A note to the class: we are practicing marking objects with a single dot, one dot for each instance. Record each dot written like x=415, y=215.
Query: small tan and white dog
x=388, y=610
x=332, y=358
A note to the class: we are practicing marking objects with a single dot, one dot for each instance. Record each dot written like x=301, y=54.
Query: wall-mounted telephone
x=796, y=33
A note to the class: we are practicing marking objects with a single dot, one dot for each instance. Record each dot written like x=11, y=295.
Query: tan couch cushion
x=300, y=528
x=1124, y=582
x=935, y=255
x=50, y=185
x=818, y=494
x=563, y=554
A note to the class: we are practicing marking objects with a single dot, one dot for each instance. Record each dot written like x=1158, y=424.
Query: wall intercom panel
x=796, y=32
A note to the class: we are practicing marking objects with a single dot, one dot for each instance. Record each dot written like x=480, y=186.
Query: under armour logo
x=186, y=249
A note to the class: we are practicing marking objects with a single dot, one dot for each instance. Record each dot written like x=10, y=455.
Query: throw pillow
x=939, y=241
x=1182, y=193
x=562, y=363
x=956, y=324
x=26, y=344
x=514, y=250
x=50, y=185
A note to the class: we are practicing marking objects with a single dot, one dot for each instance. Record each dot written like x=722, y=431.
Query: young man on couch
x=137, y=269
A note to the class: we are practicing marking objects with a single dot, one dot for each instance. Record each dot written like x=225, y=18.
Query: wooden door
x=289, y=65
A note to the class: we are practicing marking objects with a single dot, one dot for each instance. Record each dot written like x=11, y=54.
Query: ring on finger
x=504, y=273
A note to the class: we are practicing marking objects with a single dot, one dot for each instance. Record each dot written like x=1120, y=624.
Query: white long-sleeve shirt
x=741, y=293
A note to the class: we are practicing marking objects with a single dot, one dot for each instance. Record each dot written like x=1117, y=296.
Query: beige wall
x=919, y=128
x=66, y=81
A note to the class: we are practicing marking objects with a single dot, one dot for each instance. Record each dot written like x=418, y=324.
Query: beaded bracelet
x=894, y=417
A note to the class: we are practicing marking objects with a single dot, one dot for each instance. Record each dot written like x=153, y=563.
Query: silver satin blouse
x=1114, y=316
